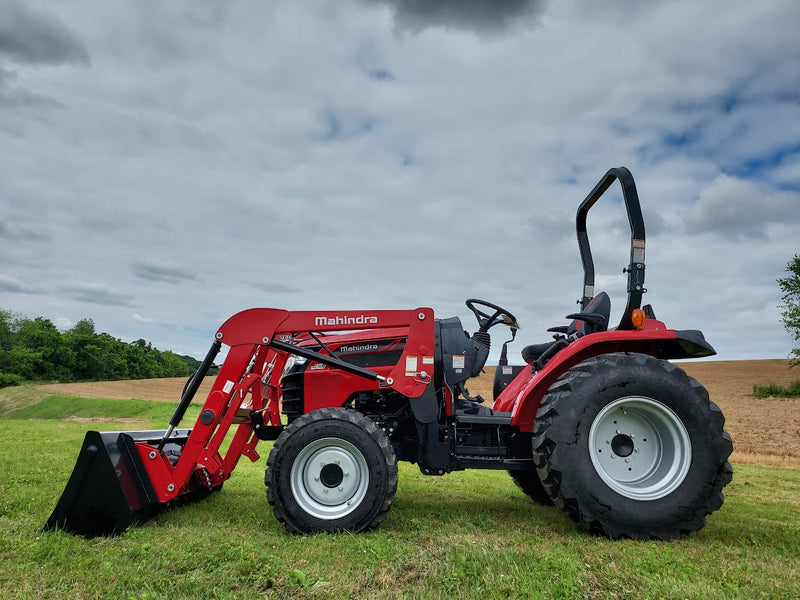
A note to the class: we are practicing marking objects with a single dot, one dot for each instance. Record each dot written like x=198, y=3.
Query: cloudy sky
x=164, y=165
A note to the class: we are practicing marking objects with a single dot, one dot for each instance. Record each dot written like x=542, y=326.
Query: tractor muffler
x=110, y=488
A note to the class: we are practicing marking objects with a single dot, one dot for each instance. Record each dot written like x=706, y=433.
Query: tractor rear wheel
x=528, y=481
x=630, y=446
x=331, y=470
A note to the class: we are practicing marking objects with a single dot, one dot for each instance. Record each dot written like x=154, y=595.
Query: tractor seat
x=532, y=352
x=592, y=319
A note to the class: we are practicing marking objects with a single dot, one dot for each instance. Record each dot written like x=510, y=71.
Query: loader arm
x=132, y=477
x=258, y=337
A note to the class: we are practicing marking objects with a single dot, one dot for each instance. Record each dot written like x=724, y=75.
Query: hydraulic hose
x=190, y=390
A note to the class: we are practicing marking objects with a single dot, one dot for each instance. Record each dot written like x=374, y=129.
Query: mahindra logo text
x=345, y=320
x=358, y=348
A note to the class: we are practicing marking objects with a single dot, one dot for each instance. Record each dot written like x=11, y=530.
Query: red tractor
x=597, y=421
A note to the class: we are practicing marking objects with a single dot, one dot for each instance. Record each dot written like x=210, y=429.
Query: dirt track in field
x=162, y=390
x=765, y=432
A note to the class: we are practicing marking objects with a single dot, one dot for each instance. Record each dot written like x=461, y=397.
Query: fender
x=522, y=396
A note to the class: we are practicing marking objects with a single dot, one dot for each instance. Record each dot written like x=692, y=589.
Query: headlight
x=292, y=361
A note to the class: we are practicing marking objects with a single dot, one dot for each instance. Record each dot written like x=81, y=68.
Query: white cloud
x=63, y=324
x=206, y=158
x=737, y=208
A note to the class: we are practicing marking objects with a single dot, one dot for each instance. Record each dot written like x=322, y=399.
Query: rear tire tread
x=551, y=431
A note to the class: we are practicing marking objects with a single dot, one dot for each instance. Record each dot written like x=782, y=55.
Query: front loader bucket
x=109, y=488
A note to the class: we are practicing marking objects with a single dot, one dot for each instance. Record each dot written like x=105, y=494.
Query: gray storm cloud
x=30, y=36
x=480, y=16
x=154, y=271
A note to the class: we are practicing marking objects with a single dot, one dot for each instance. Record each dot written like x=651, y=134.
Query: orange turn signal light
x=637, y=318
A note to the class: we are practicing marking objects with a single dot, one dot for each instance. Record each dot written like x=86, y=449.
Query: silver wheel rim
x=329, y=479
x=640, y=448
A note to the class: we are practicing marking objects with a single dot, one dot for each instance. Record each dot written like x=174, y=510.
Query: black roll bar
x=635, y=268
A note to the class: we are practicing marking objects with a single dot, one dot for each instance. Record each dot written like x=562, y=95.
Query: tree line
x=35, y=350
x=790, y=309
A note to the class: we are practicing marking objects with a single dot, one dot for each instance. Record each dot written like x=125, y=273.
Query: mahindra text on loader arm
x=596, y=421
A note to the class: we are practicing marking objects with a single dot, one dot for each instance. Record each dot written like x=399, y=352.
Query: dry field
x=765, y=432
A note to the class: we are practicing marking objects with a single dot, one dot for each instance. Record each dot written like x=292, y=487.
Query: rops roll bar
x=635, y=268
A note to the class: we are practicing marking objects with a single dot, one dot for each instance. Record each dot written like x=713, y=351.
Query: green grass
x=465, y=535
x=64, y=407
x=773, y=389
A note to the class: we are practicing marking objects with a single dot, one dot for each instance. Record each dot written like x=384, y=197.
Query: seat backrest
x=599, y=305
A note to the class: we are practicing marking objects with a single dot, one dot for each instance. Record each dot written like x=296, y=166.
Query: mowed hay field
x=764, y=431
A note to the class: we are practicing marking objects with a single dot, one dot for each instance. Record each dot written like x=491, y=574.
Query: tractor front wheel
x=331, y=470
x=630, y=446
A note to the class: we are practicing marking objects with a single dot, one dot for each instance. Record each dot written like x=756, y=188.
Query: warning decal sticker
x=411, y=365
x=637, y=251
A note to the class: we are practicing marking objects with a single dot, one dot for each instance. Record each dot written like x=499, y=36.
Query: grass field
x=466, y=535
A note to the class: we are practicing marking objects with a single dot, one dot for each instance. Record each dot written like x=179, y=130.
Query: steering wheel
x=487, y=320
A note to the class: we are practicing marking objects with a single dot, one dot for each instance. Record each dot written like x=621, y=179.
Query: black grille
x=293, y=393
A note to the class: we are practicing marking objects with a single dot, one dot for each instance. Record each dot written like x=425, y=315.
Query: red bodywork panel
x=261, y=325
x=326, y=386
x=522, y=396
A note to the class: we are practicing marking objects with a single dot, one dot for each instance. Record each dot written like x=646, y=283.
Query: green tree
x=174, y=366
x=6, y=343
x=40, y=337
x=24, y=362
x=97, y=355
x=790, y=309
x=6, y=334
x=34, y=349
x=81, y=340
